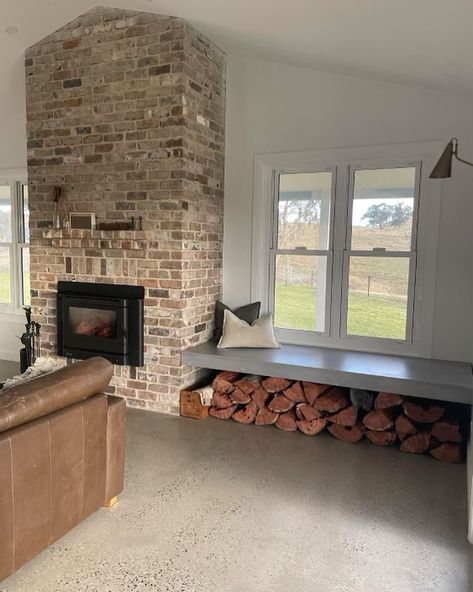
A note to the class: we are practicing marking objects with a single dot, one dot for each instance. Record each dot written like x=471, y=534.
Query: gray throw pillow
x=248, y=313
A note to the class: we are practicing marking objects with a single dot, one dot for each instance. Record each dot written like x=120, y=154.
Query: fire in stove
x=93, y=322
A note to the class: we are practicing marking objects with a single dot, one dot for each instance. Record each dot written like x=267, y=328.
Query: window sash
x=274, y=250
x=15, y=246
x=380, y=252
x=351, y=198
x=412, y=257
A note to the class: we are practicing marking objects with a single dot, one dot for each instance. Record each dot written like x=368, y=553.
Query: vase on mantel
x=56, y=218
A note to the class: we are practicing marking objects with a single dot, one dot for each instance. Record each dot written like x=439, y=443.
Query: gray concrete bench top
x=418, y=377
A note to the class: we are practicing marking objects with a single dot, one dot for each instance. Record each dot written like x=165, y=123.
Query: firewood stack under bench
x=383, y=418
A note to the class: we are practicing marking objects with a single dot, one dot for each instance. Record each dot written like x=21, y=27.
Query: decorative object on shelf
x=443, y=168
x=132, y=224
x=57, y=193
x=30, y=340
x=82, y=220
x=137, y=223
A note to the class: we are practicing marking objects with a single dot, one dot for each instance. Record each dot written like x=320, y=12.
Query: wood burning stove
x=100, y=319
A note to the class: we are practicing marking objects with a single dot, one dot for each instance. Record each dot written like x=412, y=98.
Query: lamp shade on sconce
x=443, y=168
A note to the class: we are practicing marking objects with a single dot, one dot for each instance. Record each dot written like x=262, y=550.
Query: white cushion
x=238, y=333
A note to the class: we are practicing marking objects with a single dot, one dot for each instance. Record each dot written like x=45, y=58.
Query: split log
x=331, y=401
x=379, y=420
x=287, y=421
x=260, y=396
x=387, y=400
x=423, y=412
x=265, y=416
x=312, y=390
x=246, y=414
x=447, y=430
x=223, y=382
x=222, y=413
x=306, y=412
x=239, y=397
x=311, y=427
x=346, y=417
x=221, y=400
x=386, y=438
x=295, y=393
x=275, y=385
x=248, y=384
x=447, y=452
x=416, y=444
x=349, y=434
x=404, y=427
x=280, y=404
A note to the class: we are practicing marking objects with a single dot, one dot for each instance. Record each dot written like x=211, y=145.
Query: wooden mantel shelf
x=436, y=379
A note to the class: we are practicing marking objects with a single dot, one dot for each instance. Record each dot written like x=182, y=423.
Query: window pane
x=26, y=214
x=5, y=214
x=300, y=292
x=304, y=210
x=377, y=297
x=25, y=265
x=5, y=296
x=382, y=209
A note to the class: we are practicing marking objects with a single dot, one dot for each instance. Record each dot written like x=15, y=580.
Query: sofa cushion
x=49, y=393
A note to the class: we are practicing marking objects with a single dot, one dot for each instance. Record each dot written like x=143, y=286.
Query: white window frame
x=287, y=334
x=421, y=292
x=15, y=178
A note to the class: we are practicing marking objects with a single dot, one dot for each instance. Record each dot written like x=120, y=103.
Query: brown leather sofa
x=62, y=450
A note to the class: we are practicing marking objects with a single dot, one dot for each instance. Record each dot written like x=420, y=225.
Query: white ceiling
x=428, y=42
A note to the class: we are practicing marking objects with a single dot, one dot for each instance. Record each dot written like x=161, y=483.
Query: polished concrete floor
x=214, y=506
x=8, y=369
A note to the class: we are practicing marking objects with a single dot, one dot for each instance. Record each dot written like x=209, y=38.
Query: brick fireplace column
x=125, y=112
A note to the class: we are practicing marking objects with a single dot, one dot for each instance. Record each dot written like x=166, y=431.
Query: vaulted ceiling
x=428, y=42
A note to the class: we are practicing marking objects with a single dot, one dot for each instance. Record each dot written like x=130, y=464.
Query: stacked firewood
x=385, y=419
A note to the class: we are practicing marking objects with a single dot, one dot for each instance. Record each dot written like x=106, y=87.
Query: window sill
x=362, y=344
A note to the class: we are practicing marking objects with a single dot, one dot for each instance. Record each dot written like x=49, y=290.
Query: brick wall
x=125, y=111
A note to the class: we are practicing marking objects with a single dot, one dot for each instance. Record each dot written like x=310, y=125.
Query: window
x=379, y=265
x=14, y=245
x=302, y=255
x=342, y=248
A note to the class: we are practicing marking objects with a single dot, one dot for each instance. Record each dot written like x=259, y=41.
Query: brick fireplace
x=125, y=113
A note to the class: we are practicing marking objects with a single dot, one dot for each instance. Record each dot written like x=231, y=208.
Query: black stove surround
x=100, y=319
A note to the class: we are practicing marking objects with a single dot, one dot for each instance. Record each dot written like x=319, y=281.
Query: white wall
x=278, y=108
x=12, y=156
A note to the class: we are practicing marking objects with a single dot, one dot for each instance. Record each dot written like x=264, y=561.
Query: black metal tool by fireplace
x=100, y=319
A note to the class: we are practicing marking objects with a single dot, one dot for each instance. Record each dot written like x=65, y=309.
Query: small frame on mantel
x=82, y=220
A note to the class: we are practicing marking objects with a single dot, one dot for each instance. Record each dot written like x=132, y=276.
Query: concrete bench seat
x=435, y=379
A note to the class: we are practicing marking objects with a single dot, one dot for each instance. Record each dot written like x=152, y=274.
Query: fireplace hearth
x=100, y=319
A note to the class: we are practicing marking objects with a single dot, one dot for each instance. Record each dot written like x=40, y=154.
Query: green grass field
x=374, y=316
x=5, y=287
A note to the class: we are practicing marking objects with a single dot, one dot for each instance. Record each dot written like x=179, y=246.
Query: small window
x=14, y=245
x=301, y=257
